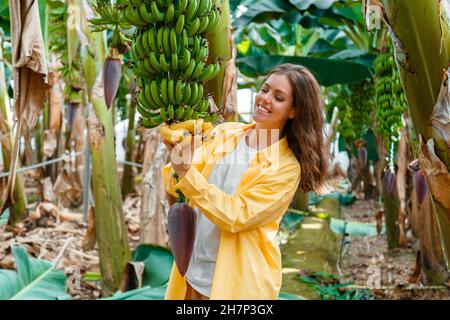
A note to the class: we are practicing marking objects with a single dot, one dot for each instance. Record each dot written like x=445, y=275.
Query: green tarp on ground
x=340, y=226
x=4, y=217
x=344, y=199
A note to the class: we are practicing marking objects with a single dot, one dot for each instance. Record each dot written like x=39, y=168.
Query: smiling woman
x=241, y=181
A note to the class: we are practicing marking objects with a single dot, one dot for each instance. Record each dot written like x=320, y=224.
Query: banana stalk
x=219, y=47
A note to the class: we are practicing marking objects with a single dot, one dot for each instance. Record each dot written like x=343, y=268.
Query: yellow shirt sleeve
x=257, y=206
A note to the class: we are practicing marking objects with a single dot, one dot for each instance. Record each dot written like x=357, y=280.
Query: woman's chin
x=261, y=118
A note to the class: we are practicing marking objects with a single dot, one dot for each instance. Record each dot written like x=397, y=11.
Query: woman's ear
x=292, y=114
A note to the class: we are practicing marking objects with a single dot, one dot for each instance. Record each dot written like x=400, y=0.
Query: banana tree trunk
x=111, y=232
x=433, y=259
x=18, y=208
x=154, y=205
x=127, y=179
x=421, y=57
x=391, y=212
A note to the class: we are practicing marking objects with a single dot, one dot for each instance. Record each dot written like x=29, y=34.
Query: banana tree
x=111, y=232
x=422, y=58
x=18, y=208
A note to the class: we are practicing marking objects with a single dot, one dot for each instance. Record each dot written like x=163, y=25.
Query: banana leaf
x=158, y=263
x=144, y=293
x=317, y=13
x=327, y=71
x=35, y=279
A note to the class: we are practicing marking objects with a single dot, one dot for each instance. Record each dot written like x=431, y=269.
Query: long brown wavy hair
x=305, y=133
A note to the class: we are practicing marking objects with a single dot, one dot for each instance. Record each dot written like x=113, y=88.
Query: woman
x=241, y=182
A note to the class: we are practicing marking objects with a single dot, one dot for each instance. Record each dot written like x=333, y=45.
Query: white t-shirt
x=226, y=174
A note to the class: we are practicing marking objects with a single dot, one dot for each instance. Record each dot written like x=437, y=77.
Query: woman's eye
x=264, y=90
x=279, y=98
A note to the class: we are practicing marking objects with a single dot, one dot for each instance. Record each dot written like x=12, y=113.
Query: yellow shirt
x=248, y=262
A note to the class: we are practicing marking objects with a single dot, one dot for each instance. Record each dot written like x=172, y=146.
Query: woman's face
x=274, y=103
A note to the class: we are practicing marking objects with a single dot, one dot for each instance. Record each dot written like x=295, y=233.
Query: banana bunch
x=390, y=98
x=362, y=105
x=169, y=53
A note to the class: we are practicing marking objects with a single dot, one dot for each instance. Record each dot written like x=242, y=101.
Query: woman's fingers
x=168, y=144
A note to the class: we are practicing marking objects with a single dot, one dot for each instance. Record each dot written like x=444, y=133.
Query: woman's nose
x=265, y=97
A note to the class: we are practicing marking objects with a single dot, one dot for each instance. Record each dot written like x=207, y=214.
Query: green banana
x=184, y=62
x=139, y=47
x=162, y=61
x=198, y=70
x=157, y=15
x=187, y=93
x=159, y=38
x=166, y=40
x=197, y=99
x=179, y=112
x=145, y=43
x=142, y=99
x=148, y=67
x=153, y=105
x=191, y=9
x=151, y=39
x=145, y=15
x=202, y=55
x=213, y=21
x=135, y=3
x=170, y=12
x=196, y=45
x=170, y=112
x=181, y=7
x=178, y=91
x=188, y=113
x=202, y=7
x=210, y=72
x=163, y=113
x=204, y=105
x=164, y=96
x=194, y=93
x=155, y=93
x=193, y=27
x=171, y=90
x=174, y=62
x=173, y=41
x=154, y=62
x=190, y=68
x=204, y=21
x=153, y=122
x=180, y=24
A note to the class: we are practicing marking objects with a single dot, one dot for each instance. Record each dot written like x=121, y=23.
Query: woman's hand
x=181, y=154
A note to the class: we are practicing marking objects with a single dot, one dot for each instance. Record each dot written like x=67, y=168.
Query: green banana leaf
x=35, y=279
x=327, y=71
x=317, y=13
x=289, y=296
x=149, y=293
x=158, y=263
